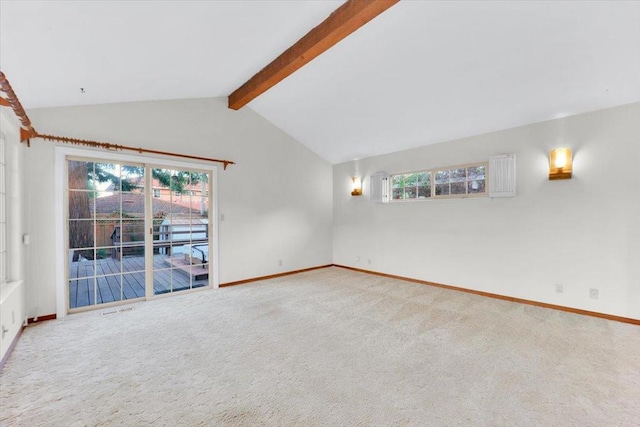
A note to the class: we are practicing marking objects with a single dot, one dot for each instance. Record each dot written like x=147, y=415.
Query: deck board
x=121, y=280
x=133, y=286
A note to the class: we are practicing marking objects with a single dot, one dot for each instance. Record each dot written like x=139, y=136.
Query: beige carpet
x=327, y=347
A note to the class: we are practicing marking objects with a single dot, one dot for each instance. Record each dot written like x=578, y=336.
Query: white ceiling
x=422, y=72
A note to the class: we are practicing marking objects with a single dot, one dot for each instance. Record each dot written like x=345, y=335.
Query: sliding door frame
x=61, y=154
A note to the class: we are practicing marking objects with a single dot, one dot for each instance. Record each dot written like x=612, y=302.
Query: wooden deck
x=112, y=286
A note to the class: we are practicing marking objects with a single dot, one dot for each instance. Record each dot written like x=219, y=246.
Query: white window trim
x=61, y=154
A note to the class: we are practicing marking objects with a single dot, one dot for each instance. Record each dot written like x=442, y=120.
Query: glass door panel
x=181, y=230
x=105, y=214
x=126, y=240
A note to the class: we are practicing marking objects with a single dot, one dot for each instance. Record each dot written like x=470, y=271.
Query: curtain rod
x=27, y=131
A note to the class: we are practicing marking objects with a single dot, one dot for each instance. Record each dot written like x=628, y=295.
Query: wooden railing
x=163, y=241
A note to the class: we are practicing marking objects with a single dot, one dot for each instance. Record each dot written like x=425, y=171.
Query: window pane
x=81, y=204
x=424, y=185
x=81, y=235
x=109, y=288
x=133, y=262
x=133, y=237
x=79, y=174
x=133, y=230
x=458, y=175
x=133, y=285
x=132, y=205
x=442, y=177
x=132, y=178
x=424, y=192
x=108, y=261
x=81, y=268
x=477, y=186
x=200, y=275
x=475, y=173
x=410, y=192
x=442, y=189
x=397, y=183
x=106, y=175
x=458, y=188
x=107, y=204
x=81, y=292
x=411, y=180
x=424, y=178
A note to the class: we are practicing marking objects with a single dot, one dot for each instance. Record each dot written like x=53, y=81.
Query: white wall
x=16, y=197
x=12, y=295
x=276, y=200
x=583, y=233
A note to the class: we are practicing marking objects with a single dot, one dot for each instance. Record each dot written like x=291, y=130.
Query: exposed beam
x=343, y=21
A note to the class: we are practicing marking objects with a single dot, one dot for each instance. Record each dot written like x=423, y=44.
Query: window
x=3, y=212
x=156, y=192
x=455, y=181
x=461, y=181
x=408, y=186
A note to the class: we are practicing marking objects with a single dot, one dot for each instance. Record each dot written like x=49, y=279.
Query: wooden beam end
x=239, y=98
x=233, y=104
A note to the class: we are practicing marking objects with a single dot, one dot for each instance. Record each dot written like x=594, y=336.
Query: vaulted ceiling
x=422, y=72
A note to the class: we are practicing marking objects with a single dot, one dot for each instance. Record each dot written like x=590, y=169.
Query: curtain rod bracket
x=27, y=134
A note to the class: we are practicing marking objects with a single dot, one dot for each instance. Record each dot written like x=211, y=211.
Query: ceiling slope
x=420, y=73
x=427, y=72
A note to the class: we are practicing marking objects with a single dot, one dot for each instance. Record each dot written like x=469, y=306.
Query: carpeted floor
x=327, y=347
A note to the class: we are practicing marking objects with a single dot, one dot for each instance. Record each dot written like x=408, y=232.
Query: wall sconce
x=560, y=163
x=356, y=186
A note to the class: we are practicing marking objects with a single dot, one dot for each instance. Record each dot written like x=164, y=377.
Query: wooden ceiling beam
x=343, y=21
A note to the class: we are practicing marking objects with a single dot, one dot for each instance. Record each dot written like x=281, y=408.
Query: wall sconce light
x=560, y=163
x=356, y=186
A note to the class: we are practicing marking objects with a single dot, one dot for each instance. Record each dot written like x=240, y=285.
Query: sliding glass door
x=134, y=231
x=181, y=238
